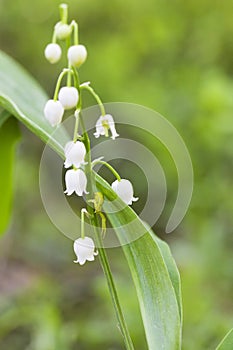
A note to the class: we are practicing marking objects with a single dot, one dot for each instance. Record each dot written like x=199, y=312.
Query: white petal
x=75, y=153
x=68, y=96
x=62, y=30
x=124, y=190
x=99, y=128
x=71, y=180
x=77, y=55
x=84, y=250
x=114, y=185
x=53, y=112
x=82, y=183
x=53, y=53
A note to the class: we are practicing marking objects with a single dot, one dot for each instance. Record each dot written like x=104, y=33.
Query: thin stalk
x=59, y=80
x=102, y=253
x=63, y=13
x=96, y=97
x=115, y=173
x=74, y=25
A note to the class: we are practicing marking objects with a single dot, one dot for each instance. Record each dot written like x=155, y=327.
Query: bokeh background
x=176, y=58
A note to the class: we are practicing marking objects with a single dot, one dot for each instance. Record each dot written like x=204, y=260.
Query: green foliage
x=154, y=272
x=227, y=342
x=175, y=57
x=9, y=136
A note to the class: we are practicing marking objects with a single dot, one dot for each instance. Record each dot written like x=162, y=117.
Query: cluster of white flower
x=75, y=179
x=66, y=98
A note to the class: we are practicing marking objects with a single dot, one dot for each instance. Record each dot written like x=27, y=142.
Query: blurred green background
x=176, y=58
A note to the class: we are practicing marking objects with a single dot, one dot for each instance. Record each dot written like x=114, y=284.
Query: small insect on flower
x=68, y=96
x=53, y=53
x=53, y=112
x=76, y=181
x=75, y=153
x=103, y=124
x=124, y=190
x=84, y=249
x=77, y=55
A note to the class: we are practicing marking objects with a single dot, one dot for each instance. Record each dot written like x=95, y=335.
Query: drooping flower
x=53, y=112
x=68, y=96
x=62, y=30
x=103, y=124
x=77, y=55
x=76, y=181
x=124, y=190
x=84, y=249
x=52, y=53
x=75, y=153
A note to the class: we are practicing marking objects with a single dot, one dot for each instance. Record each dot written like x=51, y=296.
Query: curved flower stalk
x=78, y=179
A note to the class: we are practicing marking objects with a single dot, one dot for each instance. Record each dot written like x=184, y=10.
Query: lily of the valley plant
x=151, y=264
x=78, y=162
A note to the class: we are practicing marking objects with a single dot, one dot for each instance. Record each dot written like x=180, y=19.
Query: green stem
x=82, y=223
x=69, y=75
x=59, y=80
x=94, y=94
x=63, y=13
x=115, y=173
x=54, y=39
x=102, y=253
x=75, y=27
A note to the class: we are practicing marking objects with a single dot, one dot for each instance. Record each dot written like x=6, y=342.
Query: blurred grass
x=172, y=56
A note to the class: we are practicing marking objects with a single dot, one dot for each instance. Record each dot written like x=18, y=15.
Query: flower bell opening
x=84, y=249
x=76, y=182
x=124, y=190
x=75, y=153
x=103, y=124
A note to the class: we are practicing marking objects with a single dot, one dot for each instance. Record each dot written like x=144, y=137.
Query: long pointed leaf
x=227, y=342
x=152, y=267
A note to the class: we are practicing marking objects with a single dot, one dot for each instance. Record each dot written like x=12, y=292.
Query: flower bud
x=124, y=190
x=76, y=181
x=75, y=153
x=84, y=249
x=62, y=31
x=77, y=55
x=53, y=53
x=68, y=96
x=53, y=112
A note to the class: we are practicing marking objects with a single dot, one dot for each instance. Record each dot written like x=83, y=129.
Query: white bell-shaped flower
x=62, y=30
x=103, y=124
x=75, y=153
x=84, y=249
x=68, y=96
x=76, y=181
x=53, y=112
x=124, y=190
x=52, y=53
x=77, y=55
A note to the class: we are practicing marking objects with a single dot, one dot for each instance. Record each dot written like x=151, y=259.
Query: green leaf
x=9, y=135
x=154, y=273
x=152, y=267
x=227, y=342
x=4, y=115
x=23, y=97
